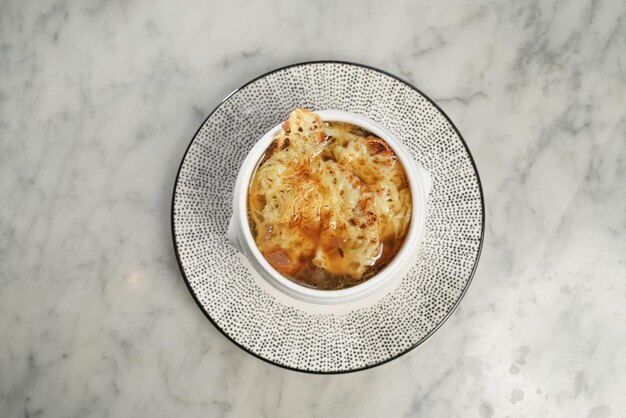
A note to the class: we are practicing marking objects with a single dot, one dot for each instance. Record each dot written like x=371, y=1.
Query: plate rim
x=421, y=340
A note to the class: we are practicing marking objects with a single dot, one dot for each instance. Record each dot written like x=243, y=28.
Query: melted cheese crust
x=329, y=194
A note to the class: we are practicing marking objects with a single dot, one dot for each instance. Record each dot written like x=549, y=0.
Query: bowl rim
x=368, y=366
x=382, y=279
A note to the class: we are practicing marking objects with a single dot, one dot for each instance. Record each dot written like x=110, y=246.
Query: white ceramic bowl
x=240, y=236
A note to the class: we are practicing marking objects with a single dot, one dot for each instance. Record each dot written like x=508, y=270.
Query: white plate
x=299, y=335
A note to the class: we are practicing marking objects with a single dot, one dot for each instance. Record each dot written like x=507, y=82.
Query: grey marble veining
x=98, y=101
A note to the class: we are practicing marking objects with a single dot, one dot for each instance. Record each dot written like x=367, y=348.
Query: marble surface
x=98, y=101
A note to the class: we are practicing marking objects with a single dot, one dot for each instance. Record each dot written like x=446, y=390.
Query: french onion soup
x=329, y=204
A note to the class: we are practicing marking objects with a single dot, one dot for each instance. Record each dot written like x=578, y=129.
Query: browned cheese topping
x=329, y=204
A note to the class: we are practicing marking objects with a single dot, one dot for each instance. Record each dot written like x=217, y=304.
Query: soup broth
x=329, y=204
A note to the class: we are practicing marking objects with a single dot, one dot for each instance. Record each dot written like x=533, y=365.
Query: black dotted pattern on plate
x=286, y=335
